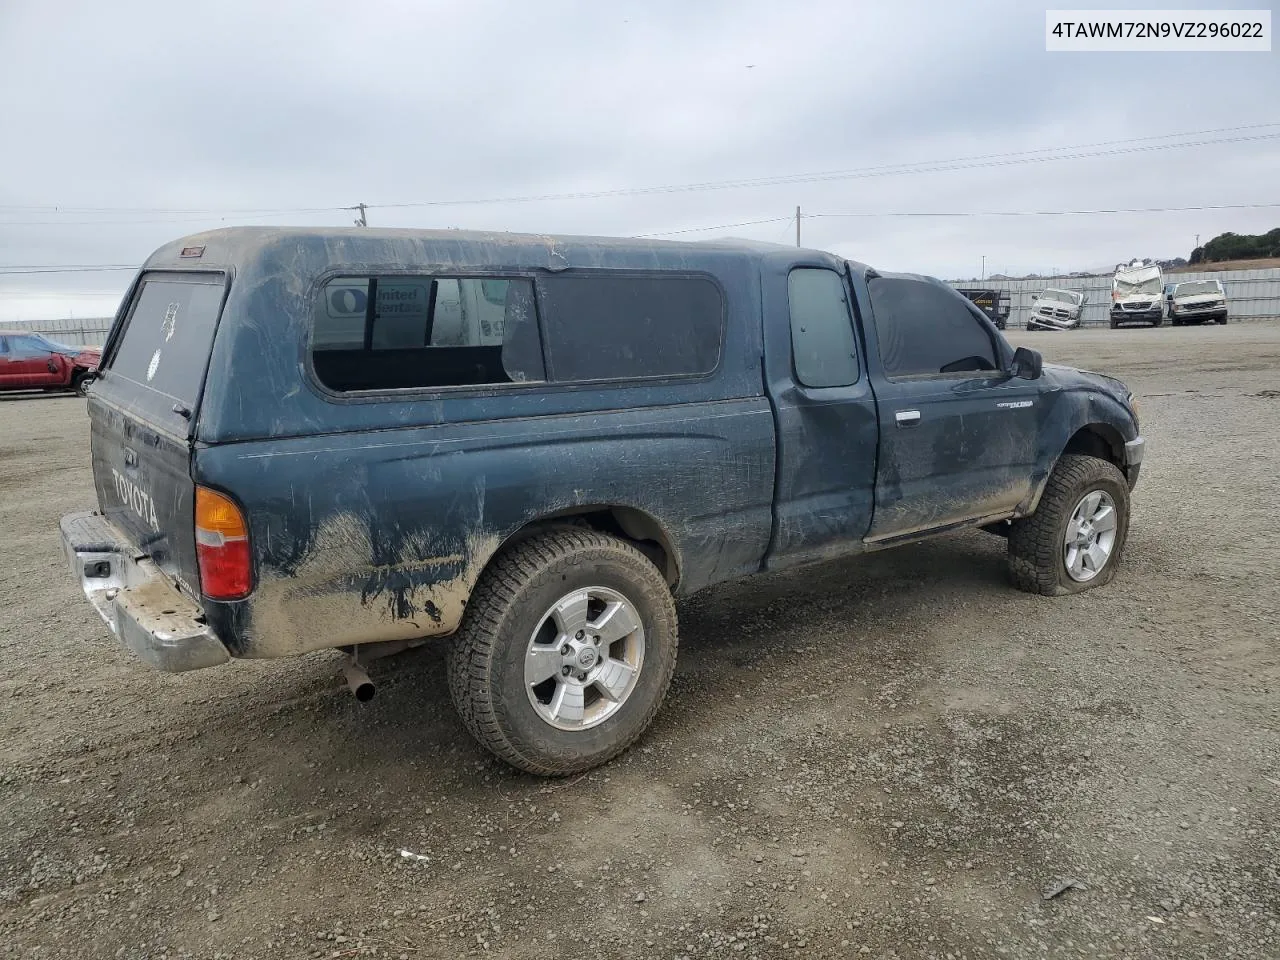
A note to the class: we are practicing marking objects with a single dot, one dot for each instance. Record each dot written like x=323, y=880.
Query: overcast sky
x=177, y=117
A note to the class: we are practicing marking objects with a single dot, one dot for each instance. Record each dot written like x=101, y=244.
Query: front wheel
x=1074, y=539
x=1222, y=320
x=565, y=652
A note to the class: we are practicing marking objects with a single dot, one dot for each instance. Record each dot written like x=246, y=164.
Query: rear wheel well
x=625, y=523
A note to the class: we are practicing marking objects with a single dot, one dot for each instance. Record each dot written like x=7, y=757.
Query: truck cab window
x=822, y=341
x=926, y=329
x=389, y=333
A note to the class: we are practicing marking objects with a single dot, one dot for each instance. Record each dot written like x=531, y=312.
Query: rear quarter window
x=425, y=332
x=621, y=327
x=168, y=334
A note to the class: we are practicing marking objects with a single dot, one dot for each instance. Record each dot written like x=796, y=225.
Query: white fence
x=89, y=332
x=1251, y=294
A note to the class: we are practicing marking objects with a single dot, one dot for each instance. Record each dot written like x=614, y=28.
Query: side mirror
x=1035, y=296
x=1027, y=364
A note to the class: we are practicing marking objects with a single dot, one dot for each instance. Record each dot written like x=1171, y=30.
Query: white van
x=1136, y=293
x=1198, y=301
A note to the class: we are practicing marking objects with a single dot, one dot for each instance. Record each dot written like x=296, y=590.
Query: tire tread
x=471, y=656
x=1033, y=541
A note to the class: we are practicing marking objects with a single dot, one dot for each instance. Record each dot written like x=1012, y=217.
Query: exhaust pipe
x=359, y=681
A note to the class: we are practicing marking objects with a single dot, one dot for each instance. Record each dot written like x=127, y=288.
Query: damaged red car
x=31, y=361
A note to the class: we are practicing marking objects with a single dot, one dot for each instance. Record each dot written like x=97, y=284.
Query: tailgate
x=142, y=412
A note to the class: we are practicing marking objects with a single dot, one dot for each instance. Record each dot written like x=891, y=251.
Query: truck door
x=957, y=433
x=826, y=417
x=31, y=364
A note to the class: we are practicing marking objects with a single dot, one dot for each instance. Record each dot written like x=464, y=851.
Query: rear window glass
x=168, y=335
x=394, y=333
x=619, y=327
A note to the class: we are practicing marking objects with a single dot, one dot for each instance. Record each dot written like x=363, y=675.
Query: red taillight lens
x=222, y=547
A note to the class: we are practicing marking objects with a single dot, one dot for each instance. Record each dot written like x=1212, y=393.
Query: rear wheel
x=1074, y=539
x=565, y=652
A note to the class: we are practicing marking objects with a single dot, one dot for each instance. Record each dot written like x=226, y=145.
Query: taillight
x=222, y=547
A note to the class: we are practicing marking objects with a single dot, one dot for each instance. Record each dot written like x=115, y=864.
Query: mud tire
x=486, y=661
x=1036, y=560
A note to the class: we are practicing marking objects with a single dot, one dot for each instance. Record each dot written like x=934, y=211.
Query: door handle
x=907, y=418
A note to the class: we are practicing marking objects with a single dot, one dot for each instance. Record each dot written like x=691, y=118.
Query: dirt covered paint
x=359, y=585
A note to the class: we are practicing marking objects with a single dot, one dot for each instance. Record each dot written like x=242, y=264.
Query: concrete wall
x=1251, y=294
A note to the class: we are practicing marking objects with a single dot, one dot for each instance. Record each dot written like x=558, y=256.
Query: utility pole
x=984, y=266
x=361, y=221
x=797, y=226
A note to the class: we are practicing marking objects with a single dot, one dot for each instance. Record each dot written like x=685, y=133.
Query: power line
x=933, y=166
x=1049, y=213
x=721, y=226
x=974, y=213
x=222, y=217
x=1042, y=155
x=66, y=266
x=62, y=208
x=93, y=294
x=26, y=269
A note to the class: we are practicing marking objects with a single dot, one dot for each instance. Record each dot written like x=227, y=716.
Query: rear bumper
x=149, y=615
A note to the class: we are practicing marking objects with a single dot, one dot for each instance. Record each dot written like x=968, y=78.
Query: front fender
x=1084, y=421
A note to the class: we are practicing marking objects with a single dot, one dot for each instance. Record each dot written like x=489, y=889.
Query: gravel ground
x=887, y=757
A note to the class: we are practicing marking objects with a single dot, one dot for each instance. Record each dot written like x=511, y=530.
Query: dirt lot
x=889, y=757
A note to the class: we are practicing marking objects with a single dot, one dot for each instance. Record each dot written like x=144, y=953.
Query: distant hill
x=1264, y=263
x=1238, y=246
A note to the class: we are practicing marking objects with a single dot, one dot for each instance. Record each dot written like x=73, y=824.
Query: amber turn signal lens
x=222, y=547
x=218, y=513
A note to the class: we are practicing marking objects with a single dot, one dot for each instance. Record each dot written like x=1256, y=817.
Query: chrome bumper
x=1133, y=451
x=1133, y=459
x=149, y=615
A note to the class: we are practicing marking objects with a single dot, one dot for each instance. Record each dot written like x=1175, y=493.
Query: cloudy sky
x=129, y=124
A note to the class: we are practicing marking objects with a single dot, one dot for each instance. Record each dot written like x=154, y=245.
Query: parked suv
x=1197, y=301
x=361, y=439
x=31, y=361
